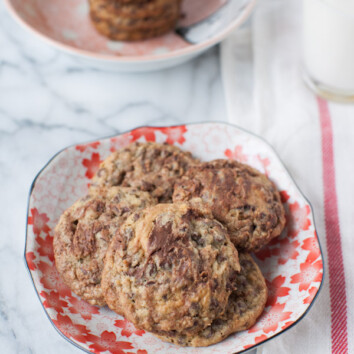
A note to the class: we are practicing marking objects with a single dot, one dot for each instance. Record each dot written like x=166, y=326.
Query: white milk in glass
x=329, y=46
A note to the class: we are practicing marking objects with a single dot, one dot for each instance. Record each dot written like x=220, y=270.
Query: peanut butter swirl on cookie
x=239, y=196
x=171, y=267
x=84, y=232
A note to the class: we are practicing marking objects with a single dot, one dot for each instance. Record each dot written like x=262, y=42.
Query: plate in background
x=292, y=263
x=65, y=24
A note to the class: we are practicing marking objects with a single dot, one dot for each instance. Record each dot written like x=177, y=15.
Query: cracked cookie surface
x=84, y=231
x=239, y=196
x=245, y=305
x=170, y=268
x=150, y=167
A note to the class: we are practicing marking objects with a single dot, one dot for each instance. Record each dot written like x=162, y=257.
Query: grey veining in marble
x=49, y=100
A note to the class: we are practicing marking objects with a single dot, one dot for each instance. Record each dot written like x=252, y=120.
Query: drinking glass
x=328, y=45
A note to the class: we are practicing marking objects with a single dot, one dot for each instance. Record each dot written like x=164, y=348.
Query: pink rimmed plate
x=292, y=264
x=65, y=24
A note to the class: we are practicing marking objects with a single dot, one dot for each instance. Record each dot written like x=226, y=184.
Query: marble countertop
x=48, y=100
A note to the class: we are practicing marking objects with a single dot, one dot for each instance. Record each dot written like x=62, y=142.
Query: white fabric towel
x=265, y=93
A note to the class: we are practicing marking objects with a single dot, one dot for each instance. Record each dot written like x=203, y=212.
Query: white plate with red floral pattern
x=292, y=264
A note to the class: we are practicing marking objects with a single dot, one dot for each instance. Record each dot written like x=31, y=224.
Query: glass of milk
x=328, y=37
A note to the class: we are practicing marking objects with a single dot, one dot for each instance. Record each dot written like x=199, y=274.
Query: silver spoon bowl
x=215, y=23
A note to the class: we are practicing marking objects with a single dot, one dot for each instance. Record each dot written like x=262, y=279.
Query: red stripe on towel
x=337, y=287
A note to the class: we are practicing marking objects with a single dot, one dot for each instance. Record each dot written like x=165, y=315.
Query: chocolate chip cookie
x=131, y=1
x=134, y=21
x=240, y=197
x=84, y=232
x=245, y=305
x=170, y=268
x=150, y=167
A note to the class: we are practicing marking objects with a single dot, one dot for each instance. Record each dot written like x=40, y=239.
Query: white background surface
x=49, y=100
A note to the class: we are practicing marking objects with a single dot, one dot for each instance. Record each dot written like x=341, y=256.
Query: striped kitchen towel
x=262, y=76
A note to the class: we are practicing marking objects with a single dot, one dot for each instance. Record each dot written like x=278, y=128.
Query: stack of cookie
x=164, y=240
x=134, y=20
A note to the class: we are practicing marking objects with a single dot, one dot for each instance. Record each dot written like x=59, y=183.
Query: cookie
x=240, y=197
x=153, y=9
x=84, y=232
x=245, y=305
x=131, y=1
x=110, y=31
x=171, y=267
x=149, y=167
x=133, y=22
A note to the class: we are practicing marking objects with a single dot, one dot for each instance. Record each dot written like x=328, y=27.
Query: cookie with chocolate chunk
x=84, y=232
x=133, y=11
x=170, y=268
x=131, y=1
x=150, y=167
x=245, y=305
x=134, y=21
x=240, y=197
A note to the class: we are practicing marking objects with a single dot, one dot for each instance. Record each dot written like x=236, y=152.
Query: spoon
x=215, y=23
